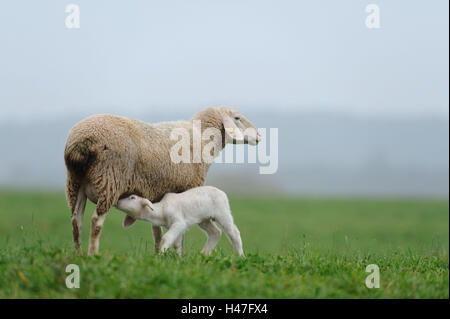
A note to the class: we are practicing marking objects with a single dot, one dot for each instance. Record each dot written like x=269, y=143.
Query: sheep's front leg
x=157, y=235
x=175, y=231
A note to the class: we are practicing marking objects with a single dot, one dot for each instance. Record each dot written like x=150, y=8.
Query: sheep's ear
x=128, y=221
x=233, y=133
x=148, y=203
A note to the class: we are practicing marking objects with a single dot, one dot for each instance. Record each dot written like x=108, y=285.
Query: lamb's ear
x=128, y=221
x=231, y=130
x=146, y=202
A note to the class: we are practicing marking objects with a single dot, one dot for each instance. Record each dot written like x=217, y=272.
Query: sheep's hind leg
x=213, y=234
x=98, y=219
x=76, y=198
x=77, y=219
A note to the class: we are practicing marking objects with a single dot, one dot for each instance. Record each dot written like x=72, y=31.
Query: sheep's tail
x=79, y=156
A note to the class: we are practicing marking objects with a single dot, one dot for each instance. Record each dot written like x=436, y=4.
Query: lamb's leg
x=235, y=237
x=176, y=230
x=181, y=244
x=157, y=235
x=232, y=232
x=213, y=234
x=98, y=218
x=178, y=245
x=77, y=219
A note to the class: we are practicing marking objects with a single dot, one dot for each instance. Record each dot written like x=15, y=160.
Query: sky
x=360, y=111
x=166, y=56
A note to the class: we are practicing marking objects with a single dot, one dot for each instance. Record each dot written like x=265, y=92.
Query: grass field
x=296, y=248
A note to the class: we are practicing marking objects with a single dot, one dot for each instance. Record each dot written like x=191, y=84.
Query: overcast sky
x=136, y=56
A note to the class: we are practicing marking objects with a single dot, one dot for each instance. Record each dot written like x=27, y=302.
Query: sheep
x=177, y=212
x=109, y=157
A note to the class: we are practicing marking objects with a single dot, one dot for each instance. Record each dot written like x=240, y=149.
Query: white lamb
x=177, y=212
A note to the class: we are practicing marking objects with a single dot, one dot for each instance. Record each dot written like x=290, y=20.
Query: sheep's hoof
x=92, y=253
x=78, y=250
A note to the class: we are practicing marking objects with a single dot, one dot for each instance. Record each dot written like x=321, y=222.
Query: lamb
x=177, y=212
x=110, y=157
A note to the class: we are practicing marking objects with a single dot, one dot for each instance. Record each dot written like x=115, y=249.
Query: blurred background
x=363, y=142
x=359, y=111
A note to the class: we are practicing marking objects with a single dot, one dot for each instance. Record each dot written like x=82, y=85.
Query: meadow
x=295, y=247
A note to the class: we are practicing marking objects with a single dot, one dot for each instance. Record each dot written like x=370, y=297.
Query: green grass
x=295, y=248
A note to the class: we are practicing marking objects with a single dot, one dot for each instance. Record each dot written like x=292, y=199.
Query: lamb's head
x=238, y=130
x=135, y=207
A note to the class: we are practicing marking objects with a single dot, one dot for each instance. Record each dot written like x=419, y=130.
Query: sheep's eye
x=132, y=197
x=237, y=118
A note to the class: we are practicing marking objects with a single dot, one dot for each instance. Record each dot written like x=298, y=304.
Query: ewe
x=177, y=212
x=110, y=157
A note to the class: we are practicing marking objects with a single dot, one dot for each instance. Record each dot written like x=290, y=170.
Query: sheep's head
x=238, y=130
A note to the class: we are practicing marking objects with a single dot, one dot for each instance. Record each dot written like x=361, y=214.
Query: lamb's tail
x=79, y=155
